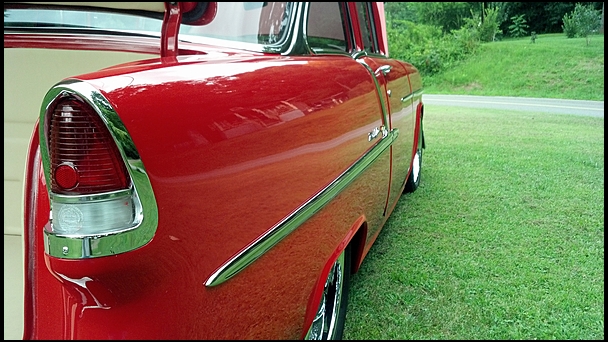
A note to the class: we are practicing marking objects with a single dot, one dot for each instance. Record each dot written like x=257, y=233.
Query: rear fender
x=356, y=237
x=36, y=215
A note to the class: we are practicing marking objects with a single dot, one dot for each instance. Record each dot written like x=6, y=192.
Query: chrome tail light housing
x=101, y=198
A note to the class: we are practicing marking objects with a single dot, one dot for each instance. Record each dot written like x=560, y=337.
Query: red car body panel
x=233, y=142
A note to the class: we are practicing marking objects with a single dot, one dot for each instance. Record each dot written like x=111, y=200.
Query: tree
x=490, y=25
x=542, y=17
x=586, y=20
x=602, y=24
x=519, y=26
x=569, y=26
x=447, y=15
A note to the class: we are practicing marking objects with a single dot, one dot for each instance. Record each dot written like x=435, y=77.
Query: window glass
x=326, y=27
x=53, y=19
x=367, y=27
x=258, y=23
x=263, y=23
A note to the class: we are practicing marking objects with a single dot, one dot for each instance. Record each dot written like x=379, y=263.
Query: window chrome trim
x=146, y=210
x=285, y=227
x=358, y=56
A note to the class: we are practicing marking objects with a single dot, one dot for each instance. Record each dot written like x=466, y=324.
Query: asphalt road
x=555, y=106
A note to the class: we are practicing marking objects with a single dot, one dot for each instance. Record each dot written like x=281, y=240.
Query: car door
x=331, y=35
x=397, y=95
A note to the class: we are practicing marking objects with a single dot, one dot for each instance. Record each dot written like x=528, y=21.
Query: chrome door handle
x=385, y=69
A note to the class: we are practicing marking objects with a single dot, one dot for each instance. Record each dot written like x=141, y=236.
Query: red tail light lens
x=84, y=157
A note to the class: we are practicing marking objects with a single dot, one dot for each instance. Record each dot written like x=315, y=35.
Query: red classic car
x=210, y=170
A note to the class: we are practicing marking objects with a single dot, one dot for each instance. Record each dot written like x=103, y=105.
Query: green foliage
x=554, y=67
x=519, y=26
x=569, y=25
x=400, y=11
x=542, y=17
x=414, y=43
x=583, y=21
x=490, y=26
x=486, y=29
x=447, y=15
x=427, y=47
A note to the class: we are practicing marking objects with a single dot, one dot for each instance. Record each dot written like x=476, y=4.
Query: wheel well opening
x=357, y=245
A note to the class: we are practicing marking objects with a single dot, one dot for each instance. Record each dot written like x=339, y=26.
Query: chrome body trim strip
x=407, y=97
x=279, y=231
x=282, y=229
x=146, y=210
x=358, y=54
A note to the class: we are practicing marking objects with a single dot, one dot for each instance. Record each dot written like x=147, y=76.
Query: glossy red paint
x=233, y=142
x=42, y=293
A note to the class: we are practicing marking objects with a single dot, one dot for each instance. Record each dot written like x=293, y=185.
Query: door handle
x=384, y=70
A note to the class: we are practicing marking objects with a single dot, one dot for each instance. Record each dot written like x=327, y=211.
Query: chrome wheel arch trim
x=279, y=231
x=146, y=209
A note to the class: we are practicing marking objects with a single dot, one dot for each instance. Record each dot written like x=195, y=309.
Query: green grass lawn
x=553, y=67
x=504, y=239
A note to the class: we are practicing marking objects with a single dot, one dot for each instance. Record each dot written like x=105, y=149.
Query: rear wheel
x=328, y=323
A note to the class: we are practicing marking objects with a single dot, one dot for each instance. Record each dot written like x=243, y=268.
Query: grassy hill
x=552, y=67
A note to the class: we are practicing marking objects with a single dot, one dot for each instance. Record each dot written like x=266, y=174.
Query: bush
x=490, y=27
x=427, y=48
x=569, y=25
x=581, y=22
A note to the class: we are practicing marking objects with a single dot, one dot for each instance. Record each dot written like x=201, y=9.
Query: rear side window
x=326, y=27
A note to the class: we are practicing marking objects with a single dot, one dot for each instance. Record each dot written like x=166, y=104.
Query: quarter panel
x=231, y=149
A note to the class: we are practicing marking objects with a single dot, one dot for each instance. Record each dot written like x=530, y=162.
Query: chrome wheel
x=328, y=323
x=416, y=166
x=413, y=180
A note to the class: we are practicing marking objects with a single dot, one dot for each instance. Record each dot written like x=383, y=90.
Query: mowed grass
x=504, y=239
x=553, y=67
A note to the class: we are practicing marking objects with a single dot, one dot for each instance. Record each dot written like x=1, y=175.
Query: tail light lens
x=84, y=157
x=91, y=191
x=101, y=198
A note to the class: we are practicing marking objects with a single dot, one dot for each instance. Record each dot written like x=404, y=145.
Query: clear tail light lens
x=93, y=216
